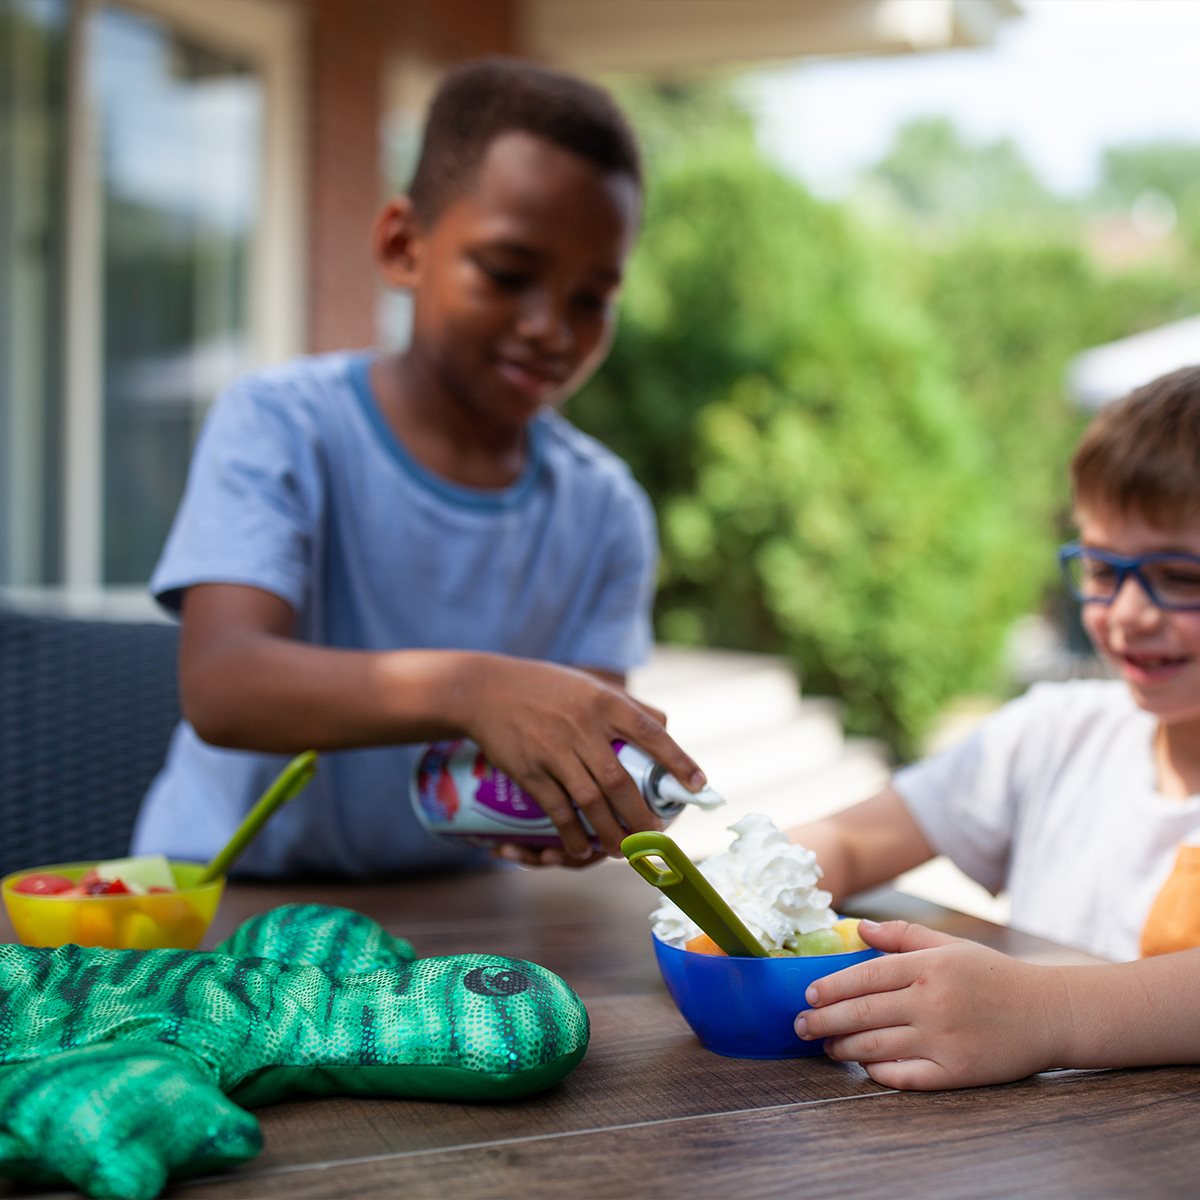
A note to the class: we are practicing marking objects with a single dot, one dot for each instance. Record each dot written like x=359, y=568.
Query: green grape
x=820, y=941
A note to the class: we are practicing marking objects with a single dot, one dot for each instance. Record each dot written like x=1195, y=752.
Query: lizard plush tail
x=116, y=1119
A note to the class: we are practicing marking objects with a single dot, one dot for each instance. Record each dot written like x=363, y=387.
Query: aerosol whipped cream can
x=456, y=792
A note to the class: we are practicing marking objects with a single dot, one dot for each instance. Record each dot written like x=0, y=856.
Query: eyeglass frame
x=1124, y=566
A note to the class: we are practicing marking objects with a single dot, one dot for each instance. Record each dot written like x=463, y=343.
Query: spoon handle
x=289, y=783
x=683, y=883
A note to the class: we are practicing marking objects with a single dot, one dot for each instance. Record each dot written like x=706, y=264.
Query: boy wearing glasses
x=1081, y=799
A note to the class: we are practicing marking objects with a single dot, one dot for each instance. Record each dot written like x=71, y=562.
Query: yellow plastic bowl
x=159, y=920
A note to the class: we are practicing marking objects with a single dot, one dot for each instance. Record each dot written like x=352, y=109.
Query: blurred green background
x=851, y=416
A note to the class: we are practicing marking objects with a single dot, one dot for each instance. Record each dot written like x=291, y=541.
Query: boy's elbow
x=212, y=723
x=211, y=712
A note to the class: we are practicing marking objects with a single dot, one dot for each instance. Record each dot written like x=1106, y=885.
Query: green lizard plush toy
x=119, y=1068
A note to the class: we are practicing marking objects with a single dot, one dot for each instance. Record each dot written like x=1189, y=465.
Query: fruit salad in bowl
x=746, y=1007
x=141, y=903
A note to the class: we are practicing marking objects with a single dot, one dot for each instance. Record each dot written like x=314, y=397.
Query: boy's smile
x=1157, y=651
x=514, y=289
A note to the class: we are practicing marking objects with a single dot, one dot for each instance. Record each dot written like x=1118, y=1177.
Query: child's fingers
x=901, y=937
x=610, y=801
x=873, y=1045
x=556, y=803
x=579, y=864
x=651, y=711
x=887, y=974
x=546, y=856
x=644, y=731
x=513, y=853
x=909, y=1074
x=526, y=856
x=877, y=1011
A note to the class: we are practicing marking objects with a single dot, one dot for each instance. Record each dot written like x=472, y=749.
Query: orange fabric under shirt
x=1173, y=922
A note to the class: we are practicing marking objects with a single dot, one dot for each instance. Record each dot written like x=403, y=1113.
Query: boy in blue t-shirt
x=379, y=550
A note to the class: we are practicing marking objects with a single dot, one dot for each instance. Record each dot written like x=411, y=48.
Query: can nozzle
x=669, y=788
x=661, y=790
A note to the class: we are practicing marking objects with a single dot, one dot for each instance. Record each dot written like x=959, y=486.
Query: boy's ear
x=396, y=243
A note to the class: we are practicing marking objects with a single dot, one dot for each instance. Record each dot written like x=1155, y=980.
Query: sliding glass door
x=179, y=129
x=143, y=144
x=33, y=101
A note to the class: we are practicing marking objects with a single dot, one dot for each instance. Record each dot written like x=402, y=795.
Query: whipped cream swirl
x=769, y=882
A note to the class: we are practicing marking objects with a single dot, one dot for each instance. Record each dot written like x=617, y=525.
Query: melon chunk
x=139, y=874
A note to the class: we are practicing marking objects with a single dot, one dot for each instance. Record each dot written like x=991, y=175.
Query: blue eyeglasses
x=1172, y=581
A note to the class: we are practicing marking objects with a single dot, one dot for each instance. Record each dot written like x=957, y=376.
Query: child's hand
x=937, y=1011
x=545, y=856
x=551, y=728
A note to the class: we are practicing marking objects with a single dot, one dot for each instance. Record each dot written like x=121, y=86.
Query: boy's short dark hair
x=1141, y=455
x=481, y=100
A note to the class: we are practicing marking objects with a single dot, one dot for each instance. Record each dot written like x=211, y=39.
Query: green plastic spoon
x=288, y=784
x=682, y=881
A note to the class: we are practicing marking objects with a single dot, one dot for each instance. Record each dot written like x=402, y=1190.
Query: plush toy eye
x=496, y=981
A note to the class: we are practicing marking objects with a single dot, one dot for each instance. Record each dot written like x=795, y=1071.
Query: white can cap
x=669, y=788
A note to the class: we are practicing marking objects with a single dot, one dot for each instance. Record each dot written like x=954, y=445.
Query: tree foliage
x=855, y=439
x=1169, y=169
x=931, y=170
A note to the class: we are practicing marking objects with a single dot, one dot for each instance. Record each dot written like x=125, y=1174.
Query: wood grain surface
x=650, y=1113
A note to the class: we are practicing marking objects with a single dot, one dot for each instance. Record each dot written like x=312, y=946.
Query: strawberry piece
x=43, y=883
x=106, y=887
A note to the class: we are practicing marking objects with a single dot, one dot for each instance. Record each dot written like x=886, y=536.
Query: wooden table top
x=650, y=1113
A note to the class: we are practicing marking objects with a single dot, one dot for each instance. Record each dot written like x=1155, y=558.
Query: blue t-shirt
x=299, y=487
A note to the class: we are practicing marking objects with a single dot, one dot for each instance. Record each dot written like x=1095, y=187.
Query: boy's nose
x=544, y=321
x=1132, y=603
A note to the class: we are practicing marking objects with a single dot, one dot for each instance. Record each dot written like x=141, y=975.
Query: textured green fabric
x=119, y=1068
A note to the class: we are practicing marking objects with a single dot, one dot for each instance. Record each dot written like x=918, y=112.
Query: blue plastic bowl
x=746, y=1007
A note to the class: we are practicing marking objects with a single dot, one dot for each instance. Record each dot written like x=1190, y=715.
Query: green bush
x=855, y=438
x=793, y=415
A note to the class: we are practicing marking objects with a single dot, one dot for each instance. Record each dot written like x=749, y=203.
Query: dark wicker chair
x=86, y=711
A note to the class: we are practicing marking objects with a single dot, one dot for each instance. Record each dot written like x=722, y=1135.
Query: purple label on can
x=457, y=791
x=497, y=792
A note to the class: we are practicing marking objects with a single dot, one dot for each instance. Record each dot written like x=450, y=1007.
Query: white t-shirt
x=1054, y=799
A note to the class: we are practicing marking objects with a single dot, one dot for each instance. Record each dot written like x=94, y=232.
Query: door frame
x=271, y=36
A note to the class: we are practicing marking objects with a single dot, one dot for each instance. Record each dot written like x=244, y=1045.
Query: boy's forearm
x=1130, y=1014
x=277, y=695
x=865, y=845
x=825, y=840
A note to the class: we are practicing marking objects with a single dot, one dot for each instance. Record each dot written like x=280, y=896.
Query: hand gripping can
x=457, y=793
